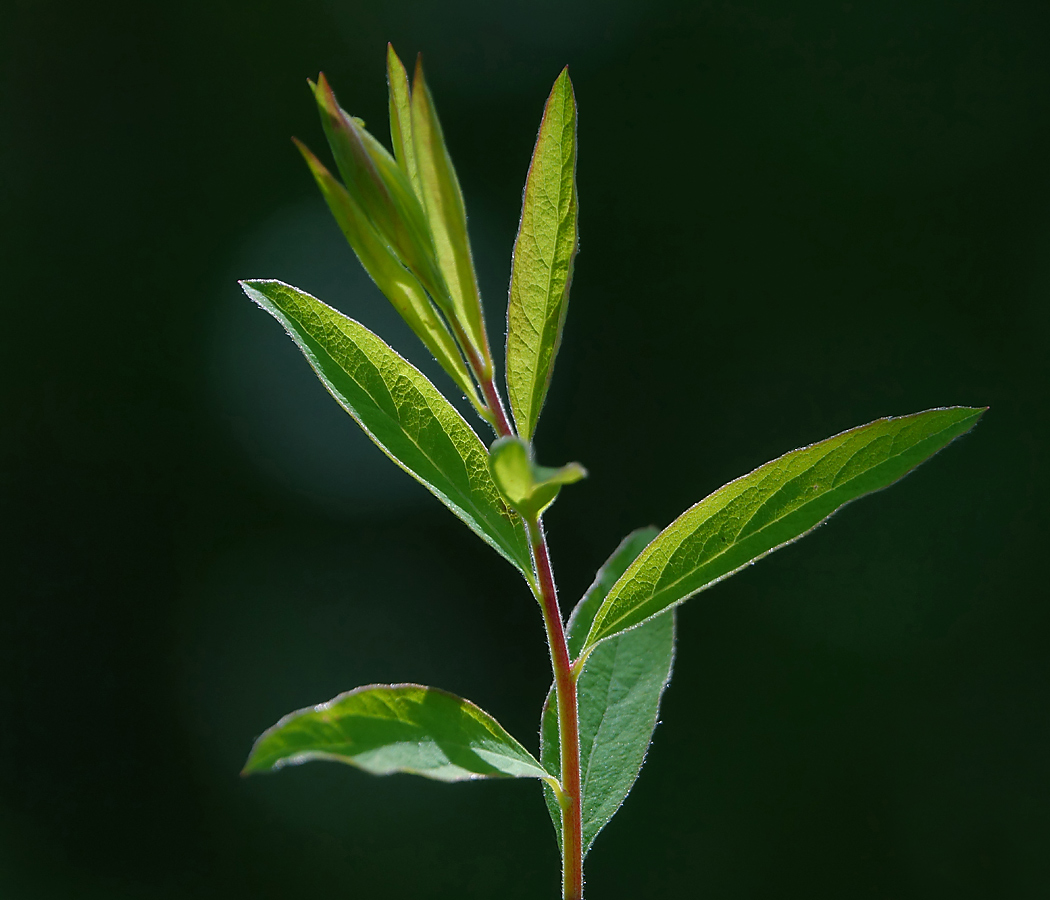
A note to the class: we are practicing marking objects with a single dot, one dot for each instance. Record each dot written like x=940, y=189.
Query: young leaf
x=401, y=411
x=399, y=285
x=772, y=506
x=387, y=728
x=401, y=119
x=527, y=488
x=541, y=270
x=382, y=190
x=447, y=216
x=618, y=696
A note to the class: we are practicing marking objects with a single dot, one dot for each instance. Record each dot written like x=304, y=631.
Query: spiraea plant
x=404, y=217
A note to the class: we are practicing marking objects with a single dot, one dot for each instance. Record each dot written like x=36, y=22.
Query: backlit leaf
x=544, y=252
x=446, y=213
x=618, y=695
x=772, y=506
x=401, y=119
x=396, y=282
x=382, y=190
x=401, y=411
x=387, y=728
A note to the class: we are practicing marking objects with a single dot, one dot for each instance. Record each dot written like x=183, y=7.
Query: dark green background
x=795, y=218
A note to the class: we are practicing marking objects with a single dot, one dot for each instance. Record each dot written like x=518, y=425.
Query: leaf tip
x=418, y=79
x=316, y=166
x=325, y=96
x=251, y=765
x=573, y=472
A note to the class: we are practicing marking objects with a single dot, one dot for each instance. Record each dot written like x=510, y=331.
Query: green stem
x=568, y=719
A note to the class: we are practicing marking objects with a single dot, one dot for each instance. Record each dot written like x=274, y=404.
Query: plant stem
x=564, y=677
x=568, y=719
x=495, y=404
x=481, y=365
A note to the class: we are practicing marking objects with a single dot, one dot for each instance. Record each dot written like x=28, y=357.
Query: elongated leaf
x=544, y=251
x=618, y=695
x=401, y=411
x=447, y=216
x=387, y=728
x=401, y=119
x=398, y=284
x=773, y=506
x=382, y=190
x=527, y=488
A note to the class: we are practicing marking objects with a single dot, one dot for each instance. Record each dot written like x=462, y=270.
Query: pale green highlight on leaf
x=401, y=411
x=618, y=693
x=772, y=506
x=544, y=252
x=382, y=190
x=446, y=213
x=527, y=488
x=401, y=119
x=396, y=282
x=387, y=728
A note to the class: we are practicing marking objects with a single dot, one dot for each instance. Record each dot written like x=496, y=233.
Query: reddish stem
x=495, y=403
x=564, y=682
x=568, y=720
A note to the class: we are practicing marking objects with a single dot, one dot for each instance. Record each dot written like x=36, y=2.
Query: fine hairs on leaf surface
x=403, y=215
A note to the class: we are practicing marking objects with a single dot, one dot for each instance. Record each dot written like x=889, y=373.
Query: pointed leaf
x=527, y=488
x=401, y=119
x=618, y=696
x=443, y=201
x=401, y=411
x=544, y=251
x=382, y=190
x=387, y=728
x=398, y=284
x=772, y=506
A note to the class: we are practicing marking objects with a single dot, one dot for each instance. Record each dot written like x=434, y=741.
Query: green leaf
x=527, y=488
x=401, y=411
x=382, y=190
x=401, y=119
x=774, y=505
x=396, y=282
x=544, y=251
x=618, y=696
x=447, y=216
x=387, y=728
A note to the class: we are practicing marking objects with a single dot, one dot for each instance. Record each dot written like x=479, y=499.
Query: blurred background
x=795, y=218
